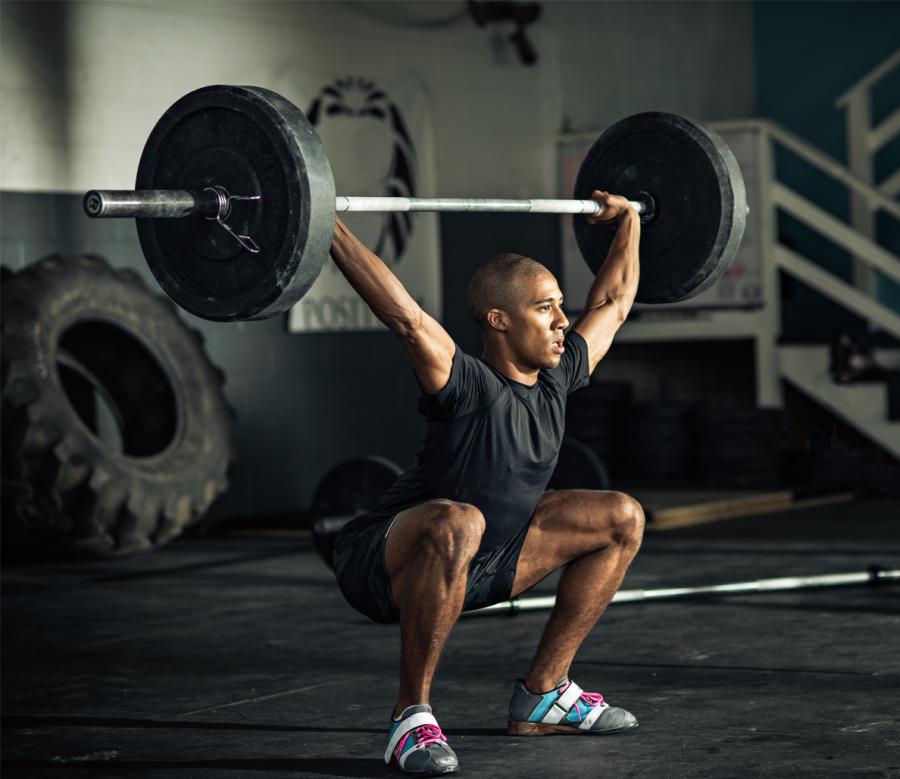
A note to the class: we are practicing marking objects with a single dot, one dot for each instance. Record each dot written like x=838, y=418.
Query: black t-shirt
x=490, y=441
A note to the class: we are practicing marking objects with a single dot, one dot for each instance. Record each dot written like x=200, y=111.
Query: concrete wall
x=619, y=58
x=82, y=83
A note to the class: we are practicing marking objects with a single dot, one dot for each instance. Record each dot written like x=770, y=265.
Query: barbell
x=873, y=576
x=235, y=202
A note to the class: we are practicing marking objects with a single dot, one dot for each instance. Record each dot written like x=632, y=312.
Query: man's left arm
x=612, y=293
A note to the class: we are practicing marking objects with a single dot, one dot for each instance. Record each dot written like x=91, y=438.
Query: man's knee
x=453, y=530
x=628, y=520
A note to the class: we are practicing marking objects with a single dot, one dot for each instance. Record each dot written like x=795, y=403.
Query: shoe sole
x=514, y=728
x=440, y=772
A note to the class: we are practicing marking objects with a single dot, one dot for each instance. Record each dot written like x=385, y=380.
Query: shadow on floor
x=347, y=766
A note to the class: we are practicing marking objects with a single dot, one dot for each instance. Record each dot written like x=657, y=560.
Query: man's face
x=536, y=326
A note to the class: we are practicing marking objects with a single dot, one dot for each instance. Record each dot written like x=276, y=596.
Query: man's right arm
x=615, y=286
x=428, y=345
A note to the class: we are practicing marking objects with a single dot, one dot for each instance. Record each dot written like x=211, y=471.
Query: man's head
x=518, y=306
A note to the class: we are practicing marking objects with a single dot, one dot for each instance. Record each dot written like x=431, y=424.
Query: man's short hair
x=496, y=284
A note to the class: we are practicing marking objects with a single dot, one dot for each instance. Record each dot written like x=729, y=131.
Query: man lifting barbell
x=235, y=209
x=469, y=524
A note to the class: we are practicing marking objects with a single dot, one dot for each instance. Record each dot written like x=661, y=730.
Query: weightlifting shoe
x=417, y=745
x=564, y=709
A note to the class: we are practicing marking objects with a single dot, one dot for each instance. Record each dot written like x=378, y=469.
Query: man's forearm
x=617, y=280
x=373, y=280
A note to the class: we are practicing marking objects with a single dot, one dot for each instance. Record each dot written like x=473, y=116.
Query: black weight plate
x=354, y=486
x=589, y=408
x=746, y=415
x=745, y=465
x=597, y=440
x=601, y=414
x=732, y=448
x=740, y=472
x=701, y=205
x=660, y=410
x=578, y=468
x=596, y=435
x=654, y=427
x=349, y=489
x=607, y=392
x=742, y=432
x=251, y=142
x=770, y=479
x=662, y=452
x=606, y=424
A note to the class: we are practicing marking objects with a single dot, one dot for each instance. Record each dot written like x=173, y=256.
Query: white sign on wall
x=379, y=141
x=739, y=287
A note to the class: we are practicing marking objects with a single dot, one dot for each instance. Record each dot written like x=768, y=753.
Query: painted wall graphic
x=379, y=142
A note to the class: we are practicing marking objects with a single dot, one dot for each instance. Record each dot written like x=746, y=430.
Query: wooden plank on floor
x=267, y=532
x=715, y=510
x=669, y=516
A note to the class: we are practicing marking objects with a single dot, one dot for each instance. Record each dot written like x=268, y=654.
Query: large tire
x=116, y=433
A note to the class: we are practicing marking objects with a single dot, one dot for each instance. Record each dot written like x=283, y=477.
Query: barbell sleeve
x=149, y=203
x=173, y=203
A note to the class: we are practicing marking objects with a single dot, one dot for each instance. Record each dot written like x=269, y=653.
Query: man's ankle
x=401, y=707
x=541, y=685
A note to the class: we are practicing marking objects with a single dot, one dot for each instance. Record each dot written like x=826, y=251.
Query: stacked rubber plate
x=595, y=416
x=740, y=447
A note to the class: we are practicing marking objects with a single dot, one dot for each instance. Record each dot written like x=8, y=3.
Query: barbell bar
x=175, y=203
x=873, y=576
x=235, y=202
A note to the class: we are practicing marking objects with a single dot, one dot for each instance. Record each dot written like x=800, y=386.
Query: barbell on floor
x=872, y=576
x=235, y=202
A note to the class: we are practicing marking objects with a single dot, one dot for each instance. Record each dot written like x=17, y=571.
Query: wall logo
x=371, y=152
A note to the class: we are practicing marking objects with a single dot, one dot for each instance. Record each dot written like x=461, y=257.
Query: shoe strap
x=592, y=716
x=562, y=704
x=404, y=726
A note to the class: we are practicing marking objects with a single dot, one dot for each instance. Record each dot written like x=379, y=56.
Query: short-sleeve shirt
x=490, y=441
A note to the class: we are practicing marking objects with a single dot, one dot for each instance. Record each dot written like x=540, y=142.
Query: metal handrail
x=818, y=158
x=872, y=77
x=837, y=231
x=830, y=285
x=835, y=169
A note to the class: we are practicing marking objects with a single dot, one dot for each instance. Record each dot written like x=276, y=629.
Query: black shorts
x=361, y=574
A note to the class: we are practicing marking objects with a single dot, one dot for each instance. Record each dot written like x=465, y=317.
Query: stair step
x=862, y=405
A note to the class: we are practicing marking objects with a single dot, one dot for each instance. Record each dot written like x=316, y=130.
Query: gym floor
x=235, y=655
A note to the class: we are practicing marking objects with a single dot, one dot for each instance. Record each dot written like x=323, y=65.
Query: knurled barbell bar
x=235, y=202
x=165, y=203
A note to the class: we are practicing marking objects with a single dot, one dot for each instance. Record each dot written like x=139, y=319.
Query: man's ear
x=497, y=319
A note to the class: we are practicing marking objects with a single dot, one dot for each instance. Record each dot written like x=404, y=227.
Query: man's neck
x=503, y=362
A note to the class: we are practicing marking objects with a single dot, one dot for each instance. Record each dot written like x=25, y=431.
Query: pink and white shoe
x=417, y=744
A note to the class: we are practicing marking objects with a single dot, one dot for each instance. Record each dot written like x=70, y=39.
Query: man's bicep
x=598, y=326
x=430, y=349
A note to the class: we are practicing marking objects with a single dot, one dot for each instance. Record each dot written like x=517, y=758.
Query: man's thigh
x=406, y=533
x=568, y=524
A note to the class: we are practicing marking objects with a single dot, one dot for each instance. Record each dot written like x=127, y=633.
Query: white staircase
x=864, y=406
x=861, y=405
